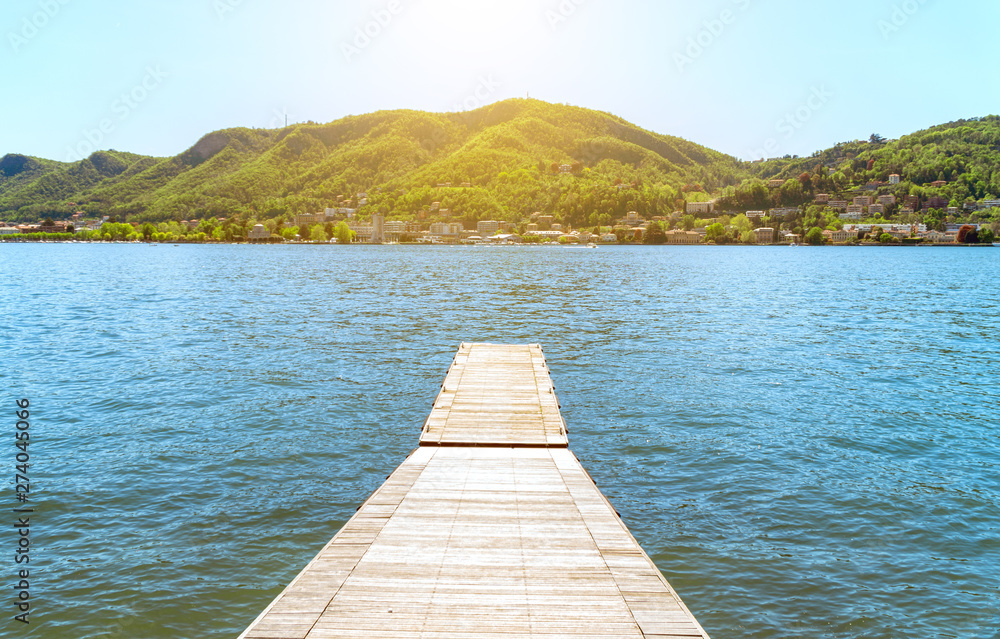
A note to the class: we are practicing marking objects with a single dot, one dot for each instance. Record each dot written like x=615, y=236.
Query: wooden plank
x=496, y=395
x=485, y=541
x=482, y=541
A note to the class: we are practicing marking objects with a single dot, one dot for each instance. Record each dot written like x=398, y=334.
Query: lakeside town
x=876, y=218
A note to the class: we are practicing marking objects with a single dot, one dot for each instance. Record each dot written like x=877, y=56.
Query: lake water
x=804, y=440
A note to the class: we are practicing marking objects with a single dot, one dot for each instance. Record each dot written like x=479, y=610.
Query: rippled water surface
x=805, y=440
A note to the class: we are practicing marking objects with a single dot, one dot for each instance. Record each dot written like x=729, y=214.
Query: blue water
x=804, y=439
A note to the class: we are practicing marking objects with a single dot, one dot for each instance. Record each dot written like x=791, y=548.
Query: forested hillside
x=501, y=161
x=964, y=154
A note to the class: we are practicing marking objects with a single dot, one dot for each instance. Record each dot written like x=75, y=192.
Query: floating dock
x=492, y=529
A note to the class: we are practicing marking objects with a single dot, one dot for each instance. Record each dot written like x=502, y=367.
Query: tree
x=876, y=139
x=715, y=232
x=815, y=236
x=688, y=221
x=792, y=194
x=318, y=235
x=967, y=235
x=742, y=224
x=654, y=234
x=343, y=233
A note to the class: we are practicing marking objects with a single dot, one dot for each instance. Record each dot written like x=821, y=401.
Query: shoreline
x=460, y=245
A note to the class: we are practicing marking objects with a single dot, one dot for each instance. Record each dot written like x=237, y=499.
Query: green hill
x=504, y=153
x=498, y=162
x=964, y=154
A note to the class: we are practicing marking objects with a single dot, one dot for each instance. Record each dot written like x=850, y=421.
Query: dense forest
x=965, y=154
x=503, y=161
x=498, y=160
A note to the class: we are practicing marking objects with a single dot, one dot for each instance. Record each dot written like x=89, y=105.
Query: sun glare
x=480, y=25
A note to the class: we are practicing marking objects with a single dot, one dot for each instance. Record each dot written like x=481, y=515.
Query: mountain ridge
x=502, y=161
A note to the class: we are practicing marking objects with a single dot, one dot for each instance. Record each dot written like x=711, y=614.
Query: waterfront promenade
x=490, y=529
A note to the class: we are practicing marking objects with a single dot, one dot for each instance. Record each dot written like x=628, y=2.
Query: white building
x=506, y=238
x=902, y=230
x=487, y=228
x=844, y=235
x=854, y=212
x=450, y=229
x=632, y=218
x=551, y=235
x=701, y=208
x=306, y=220
x=764, y=235
x=361, y=230
x=788, y=210
x=394, y=227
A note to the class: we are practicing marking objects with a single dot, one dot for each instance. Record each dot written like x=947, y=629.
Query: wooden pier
x=491, y=529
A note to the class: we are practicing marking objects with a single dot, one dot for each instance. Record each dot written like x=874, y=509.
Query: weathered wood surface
x=465, y=542
x=496, y=395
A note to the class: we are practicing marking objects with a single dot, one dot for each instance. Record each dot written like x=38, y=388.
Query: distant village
x=634, y=228
x=698, y=223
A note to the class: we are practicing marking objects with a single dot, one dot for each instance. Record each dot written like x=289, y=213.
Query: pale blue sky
x=157, y=75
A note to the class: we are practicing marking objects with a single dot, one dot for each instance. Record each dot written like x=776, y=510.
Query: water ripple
x=803, y=440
